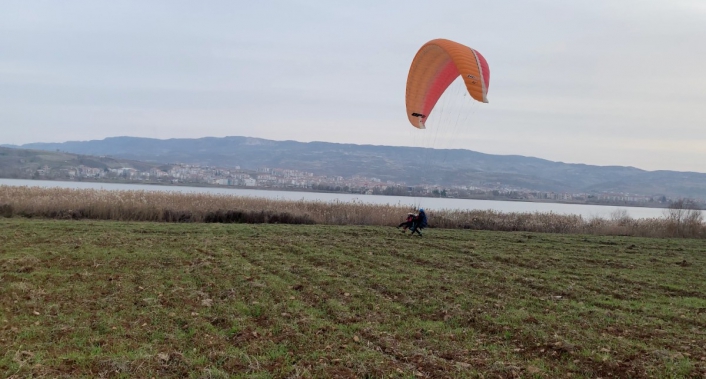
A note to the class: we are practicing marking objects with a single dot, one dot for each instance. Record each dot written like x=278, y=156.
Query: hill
x=23, y=163
x=401, y=164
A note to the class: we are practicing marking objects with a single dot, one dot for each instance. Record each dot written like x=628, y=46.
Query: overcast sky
x=596, y=82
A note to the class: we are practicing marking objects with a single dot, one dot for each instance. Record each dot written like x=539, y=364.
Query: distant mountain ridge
x=401, y=164
x=24, y=163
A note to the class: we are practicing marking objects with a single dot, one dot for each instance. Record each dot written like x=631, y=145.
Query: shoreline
x=654, y=205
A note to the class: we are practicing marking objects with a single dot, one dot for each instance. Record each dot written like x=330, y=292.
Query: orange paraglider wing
x=437, y=64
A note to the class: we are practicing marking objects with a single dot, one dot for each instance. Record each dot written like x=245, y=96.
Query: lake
x=586, y=211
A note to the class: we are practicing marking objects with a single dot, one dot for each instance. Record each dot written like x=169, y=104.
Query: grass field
x=138, y=299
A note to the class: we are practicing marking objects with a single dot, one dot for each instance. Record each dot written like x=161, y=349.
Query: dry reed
x=62, y=203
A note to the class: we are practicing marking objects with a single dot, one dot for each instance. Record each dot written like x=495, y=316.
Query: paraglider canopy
x=437, y=64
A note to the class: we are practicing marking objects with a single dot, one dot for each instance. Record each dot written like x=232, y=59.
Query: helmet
x=421, y=209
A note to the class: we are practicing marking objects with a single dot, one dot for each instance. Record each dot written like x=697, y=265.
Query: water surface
x=584, y=210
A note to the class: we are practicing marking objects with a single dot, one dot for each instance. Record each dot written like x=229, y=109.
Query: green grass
x=117, y=299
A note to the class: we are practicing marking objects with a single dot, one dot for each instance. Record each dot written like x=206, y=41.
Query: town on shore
x=287, y=179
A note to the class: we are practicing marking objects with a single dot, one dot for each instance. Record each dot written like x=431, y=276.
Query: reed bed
x=63, y=203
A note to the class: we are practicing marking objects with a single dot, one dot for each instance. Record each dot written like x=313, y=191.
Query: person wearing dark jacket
x=408, y=223
x=419, y=223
